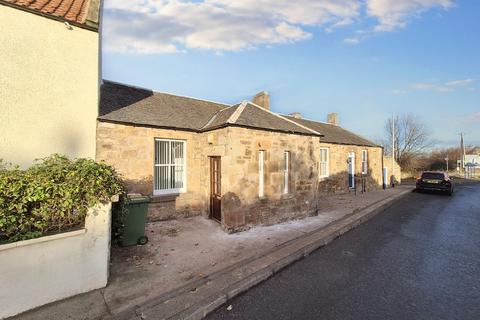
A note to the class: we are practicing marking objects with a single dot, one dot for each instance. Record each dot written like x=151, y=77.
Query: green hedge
x=52, y=196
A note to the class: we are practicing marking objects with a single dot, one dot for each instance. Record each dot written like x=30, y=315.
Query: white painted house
x=49, y=78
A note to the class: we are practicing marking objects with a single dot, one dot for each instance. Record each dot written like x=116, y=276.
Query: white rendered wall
x=39, y=271
x=49, y=88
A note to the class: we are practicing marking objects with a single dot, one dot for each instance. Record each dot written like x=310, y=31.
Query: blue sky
x=365, y=59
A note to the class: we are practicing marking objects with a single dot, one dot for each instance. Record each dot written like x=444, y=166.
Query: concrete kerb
x=282, y=256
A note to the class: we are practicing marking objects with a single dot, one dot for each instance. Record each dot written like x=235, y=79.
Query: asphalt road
x=418, y=260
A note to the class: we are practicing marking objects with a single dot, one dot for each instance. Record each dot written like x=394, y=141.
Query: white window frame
x=364, y=161
x=352, y=157
x=261, y=173
x=286, y=172
x=184, y=176
x=327, y=163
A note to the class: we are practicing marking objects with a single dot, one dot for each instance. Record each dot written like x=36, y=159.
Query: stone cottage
x=240, y=165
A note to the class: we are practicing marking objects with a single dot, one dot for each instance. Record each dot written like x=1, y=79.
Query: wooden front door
x=215, y=189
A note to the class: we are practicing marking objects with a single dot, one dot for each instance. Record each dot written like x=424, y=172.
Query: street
x=420, y=259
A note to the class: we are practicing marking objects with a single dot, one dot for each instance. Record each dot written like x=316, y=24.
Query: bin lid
x=137, y=198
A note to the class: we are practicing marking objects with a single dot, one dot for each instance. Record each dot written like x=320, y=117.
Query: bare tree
x=411, y=139
x=436, y=159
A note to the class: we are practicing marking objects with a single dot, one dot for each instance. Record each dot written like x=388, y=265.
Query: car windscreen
x=433, y=175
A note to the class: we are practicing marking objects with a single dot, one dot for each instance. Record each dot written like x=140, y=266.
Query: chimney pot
x=297, y=115
x=332, y=118
x=262, y=99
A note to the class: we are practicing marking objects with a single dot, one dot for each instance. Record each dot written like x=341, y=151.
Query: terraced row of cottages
x=241, y=164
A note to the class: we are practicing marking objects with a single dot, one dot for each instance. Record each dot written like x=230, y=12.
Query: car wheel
x=142, y=240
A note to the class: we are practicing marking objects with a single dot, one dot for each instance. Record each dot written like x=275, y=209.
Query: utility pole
x=462, y=147
x=446, y=159
x=393, y=151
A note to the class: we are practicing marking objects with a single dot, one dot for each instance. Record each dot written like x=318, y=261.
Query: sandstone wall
x=241, y=205
x=130, y=149
x=397, y=173
x=337, y=182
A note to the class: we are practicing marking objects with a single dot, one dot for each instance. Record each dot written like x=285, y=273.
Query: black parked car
x=435, y=181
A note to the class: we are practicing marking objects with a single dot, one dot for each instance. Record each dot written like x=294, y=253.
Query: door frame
x=385, y=176
x=351, y=170
x=218, y=187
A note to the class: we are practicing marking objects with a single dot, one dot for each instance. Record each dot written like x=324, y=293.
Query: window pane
x=161, y=152
x=261, y=174
x=161, y=177
x=285, y=174
x=169, y=165
x=177, y=177
x=157, y=178
x=177, y=152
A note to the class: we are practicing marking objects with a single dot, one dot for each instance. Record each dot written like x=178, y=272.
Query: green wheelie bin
x=133, y=231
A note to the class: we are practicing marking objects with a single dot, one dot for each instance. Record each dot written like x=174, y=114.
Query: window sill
x=164, y=197
x=287, y=196
x=168, y=192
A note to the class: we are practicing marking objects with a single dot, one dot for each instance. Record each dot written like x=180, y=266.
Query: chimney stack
x=262, y=99
x=296, y=115
x=332, y=118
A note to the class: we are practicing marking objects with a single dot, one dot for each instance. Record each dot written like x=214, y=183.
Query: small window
x=286, y=171
x=169, y=169
x=261, y=173
x=364, y=162
x=324, y=163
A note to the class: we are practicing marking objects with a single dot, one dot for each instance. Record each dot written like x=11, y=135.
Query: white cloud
x=352, y=40
x=393, y=14
x=161, y=26
x=459, y=83
x=442, y=87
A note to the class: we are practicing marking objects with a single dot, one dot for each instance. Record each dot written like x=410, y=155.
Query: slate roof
x=257, y=117
x=84, y=13
x=131, y=105
x=126, y=104
x=334, y=134
x=220, y=119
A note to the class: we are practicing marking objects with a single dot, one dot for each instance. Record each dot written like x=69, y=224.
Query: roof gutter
x=145, y=125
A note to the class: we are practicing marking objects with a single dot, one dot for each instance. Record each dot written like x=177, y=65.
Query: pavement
x=190, y=266
x=417, y=260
